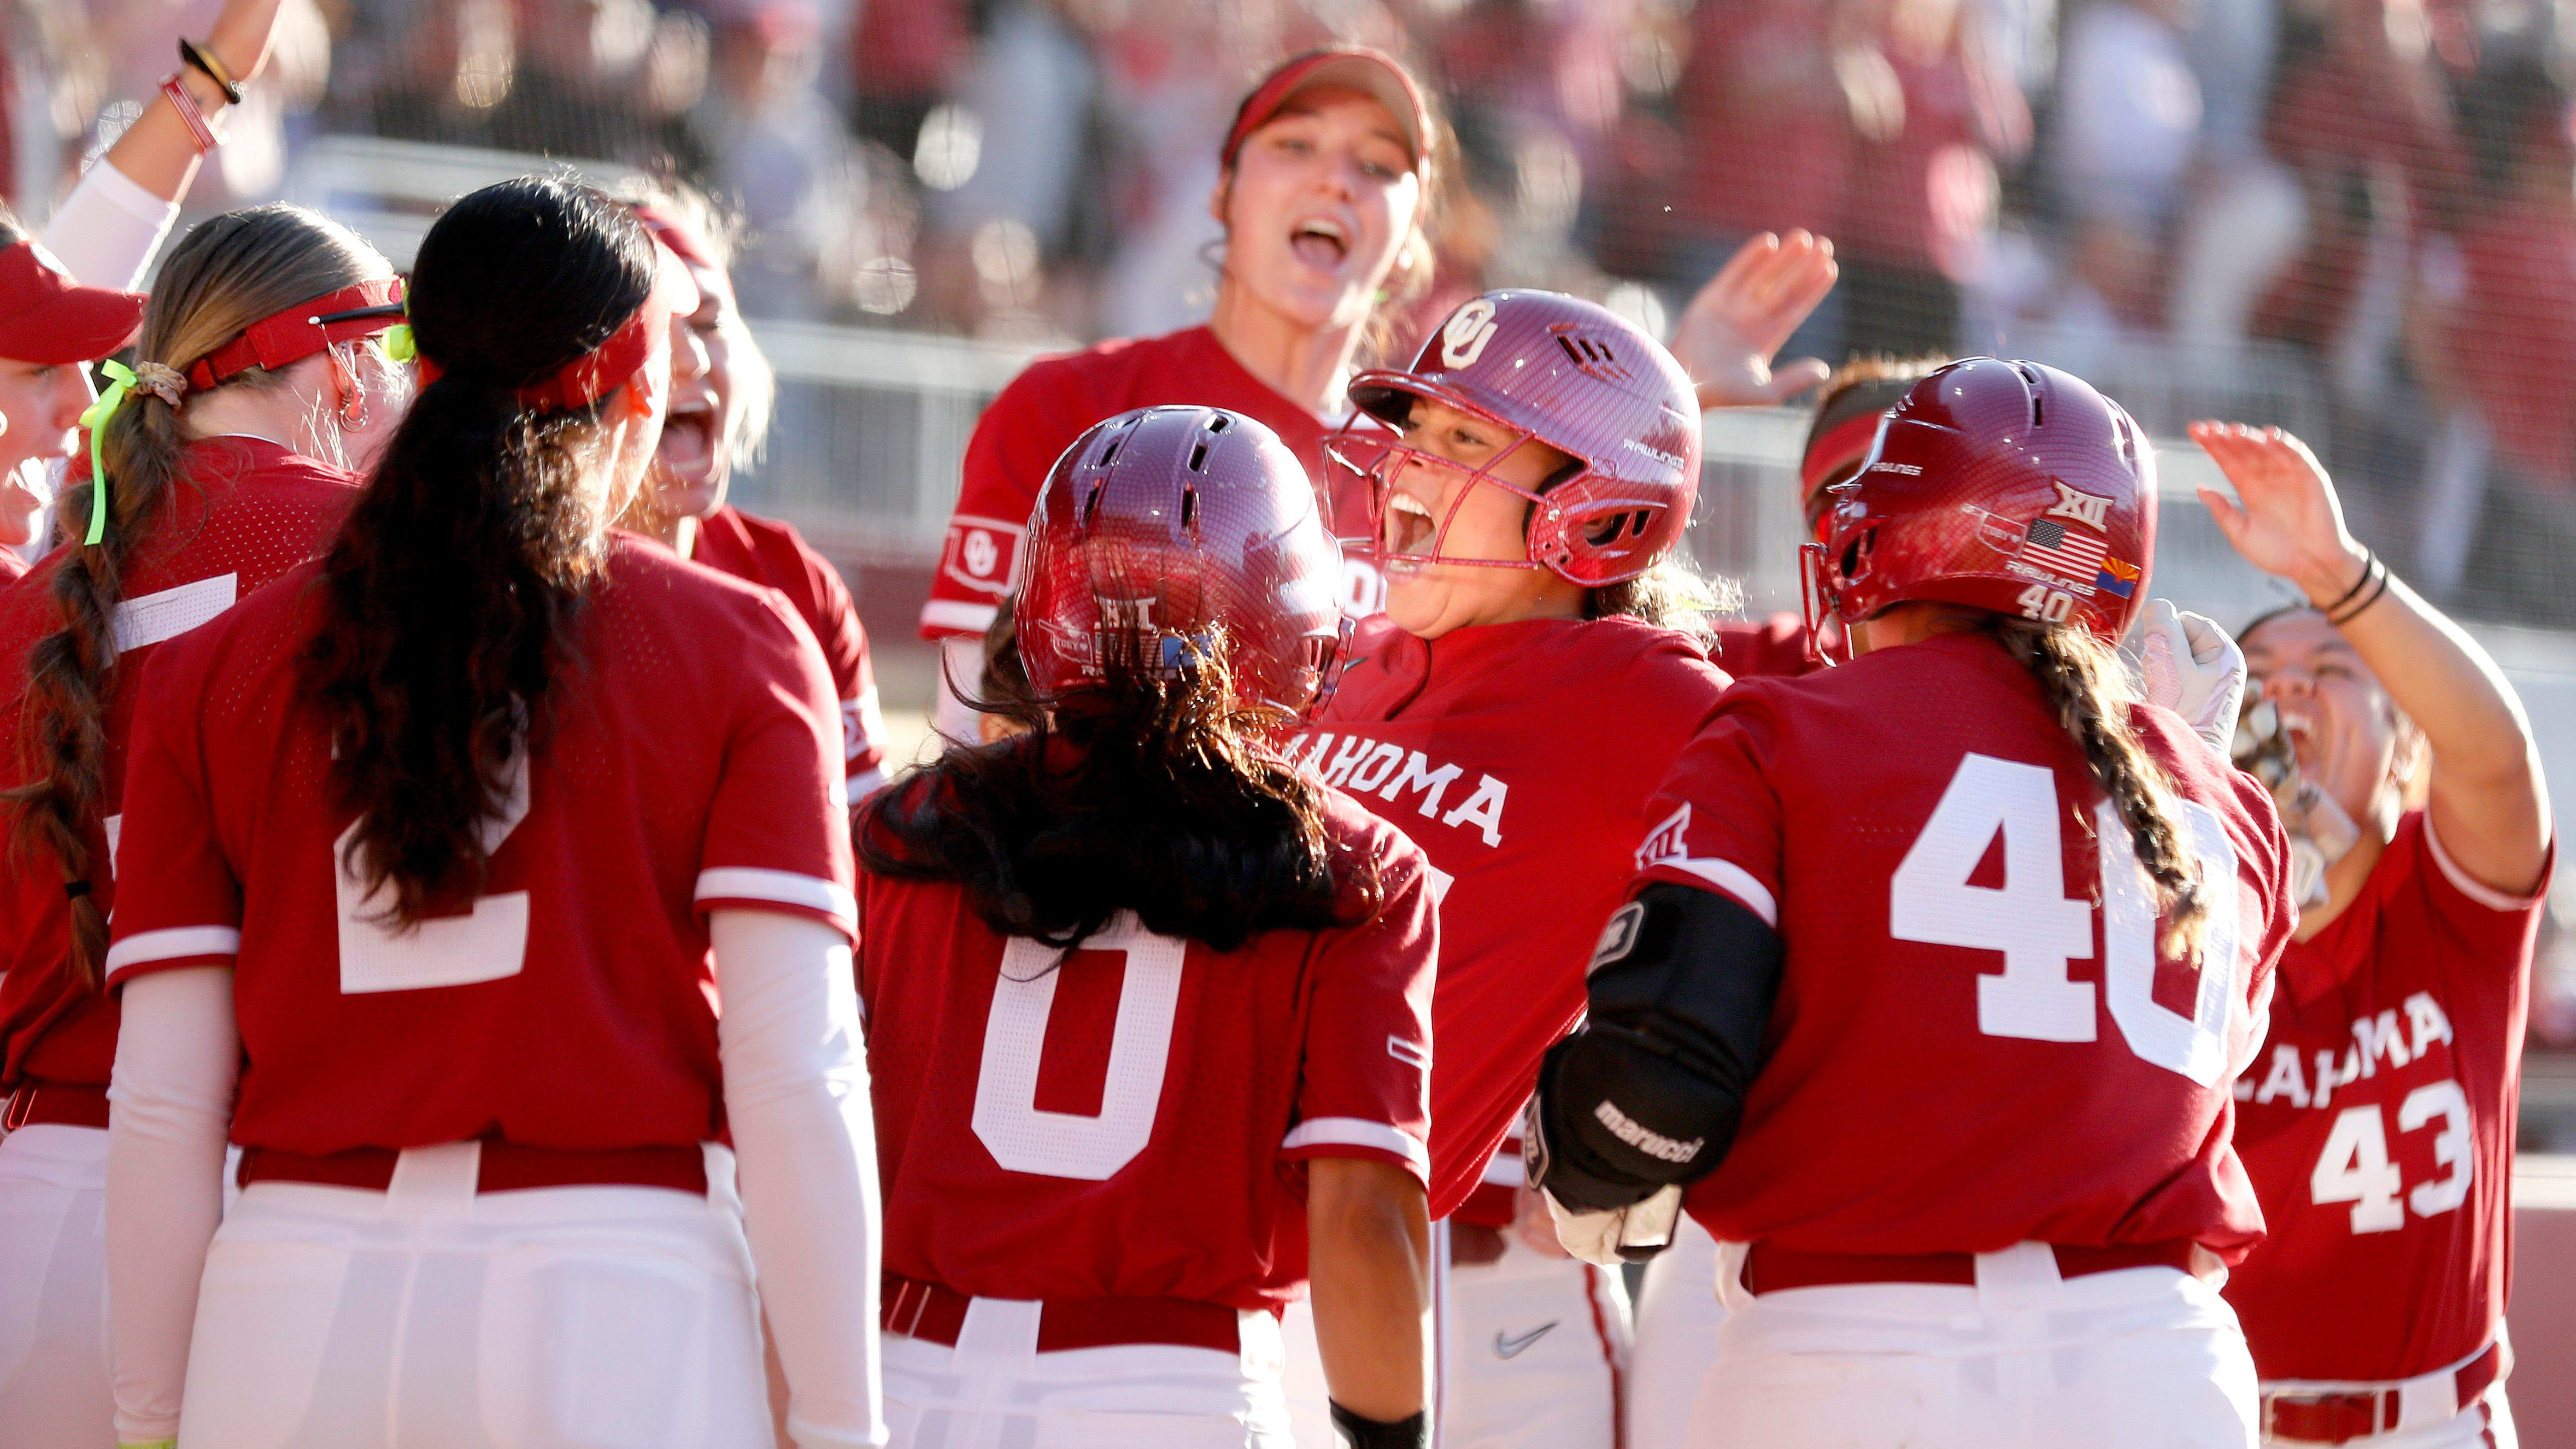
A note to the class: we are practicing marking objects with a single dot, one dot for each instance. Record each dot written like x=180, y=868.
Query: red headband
x=1843, y=444
x=297, y=332
x=1372, y=73
x=605, y=368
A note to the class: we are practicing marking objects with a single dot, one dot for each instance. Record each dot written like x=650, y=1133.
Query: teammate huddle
x=425, y=787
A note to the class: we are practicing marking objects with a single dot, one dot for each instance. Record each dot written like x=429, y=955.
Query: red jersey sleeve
x=778, y=830
x=835, y=619
x=178, y=901
x=1717, y=819
x=1365, y=1089
x=1015, y=442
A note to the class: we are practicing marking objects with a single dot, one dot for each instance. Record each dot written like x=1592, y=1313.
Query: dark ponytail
x=229, y=272
x=1146, y=795
x=448, y=599
x=2088, y=690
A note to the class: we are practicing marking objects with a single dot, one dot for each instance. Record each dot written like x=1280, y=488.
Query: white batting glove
x=2194, y=669
x=1640, y=1229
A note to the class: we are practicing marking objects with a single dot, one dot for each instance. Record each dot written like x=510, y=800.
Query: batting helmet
x=1170, y=537
x=1579, y=378
x=2003, y=485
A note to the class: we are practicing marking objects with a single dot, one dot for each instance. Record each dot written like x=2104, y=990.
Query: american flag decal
x=2076, y=554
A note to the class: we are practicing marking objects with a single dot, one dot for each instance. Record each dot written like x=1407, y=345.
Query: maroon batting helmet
x=1579, y=378
x=2004, y=485
x=1167, y=537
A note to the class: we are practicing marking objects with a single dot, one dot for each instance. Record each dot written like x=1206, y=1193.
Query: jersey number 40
x=2040, y=931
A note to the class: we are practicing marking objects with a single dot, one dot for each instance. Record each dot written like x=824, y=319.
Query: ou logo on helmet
x=1463, y=338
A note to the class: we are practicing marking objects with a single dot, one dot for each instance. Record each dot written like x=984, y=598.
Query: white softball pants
x=1532, y=1354
x=2142, y=1358
x=433, y=1317
x=994, y=1390
x=53, y=1289
x=1678, y=1316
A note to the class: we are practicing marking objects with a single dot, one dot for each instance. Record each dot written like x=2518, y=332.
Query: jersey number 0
x=2040, y=931
x=1026, y=1138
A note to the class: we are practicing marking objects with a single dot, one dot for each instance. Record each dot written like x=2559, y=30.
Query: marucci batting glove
x=2192, y=667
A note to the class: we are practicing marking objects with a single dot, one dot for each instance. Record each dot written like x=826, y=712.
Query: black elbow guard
x=1648, y=1092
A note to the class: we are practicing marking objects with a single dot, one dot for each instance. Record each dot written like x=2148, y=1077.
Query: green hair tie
x=398, y=343
x=120, y=382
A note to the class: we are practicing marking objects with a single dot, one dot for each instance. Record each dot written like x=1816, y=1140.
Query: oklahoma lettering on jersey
x=247, y=511
x=1968, y=1051
x=1129, y=1119
x=2378, y=1124
x=774, y=555
x=691, y=764
x=1521, y=758
x=1030, y=424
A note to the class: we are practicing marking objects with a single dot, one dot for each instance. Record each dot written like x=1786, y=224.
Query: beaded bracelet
x=189, y=115
x=203, y=58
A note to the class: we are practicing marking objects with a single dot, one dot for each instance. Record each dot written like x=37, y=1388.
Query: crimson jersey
x=690, y=762
x=1776, y=645
x=1031, y=423
x=1953, y=1065
x=1521, y=757
x=1127, y=1121
x=247, y=511
x=12, y=565
x=774, y=555
x=2378, y=1123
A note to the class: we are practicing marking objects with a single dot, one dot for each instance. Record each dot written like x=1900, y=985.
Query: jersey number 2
x=486, y=945
x=2039, y=931
x=1025, y=1138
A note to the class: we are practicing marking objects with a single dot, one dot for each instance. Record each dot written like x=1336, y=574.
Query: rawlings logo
x=1463, y=338
x=1619, y=937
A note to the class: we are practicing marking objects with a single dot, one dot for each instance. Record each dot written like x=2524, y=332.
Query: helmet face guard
x=1583, y=527
x=1572, y=375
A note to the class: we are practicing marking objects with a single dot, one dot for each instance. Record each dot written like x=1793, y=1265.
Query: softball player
x=1095, y=952
x=1513, y=712
x=1677, y=1312
x=199, y=506
x=1328, y=176
x=1874, y=953
x=58, y=298
x=424, y=854
x=720, y=417
x=2378, y=1119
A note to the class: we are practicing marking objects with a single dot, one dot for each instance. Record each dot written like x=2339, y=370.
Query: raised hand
x=1744, y=315
x=2287, y=521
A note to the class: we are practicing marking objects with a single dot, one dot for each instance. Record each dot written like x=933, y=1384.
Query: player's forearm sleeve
x=177, y=1058
x=796, y=1094
x=109, y=228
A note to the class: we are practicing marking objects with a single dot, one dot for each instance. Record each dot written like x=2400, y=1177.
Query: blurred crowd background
x=2356, y=218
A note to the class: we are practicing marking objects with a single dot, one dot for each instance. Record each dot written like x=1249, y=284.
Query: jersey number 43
x=2040, y=931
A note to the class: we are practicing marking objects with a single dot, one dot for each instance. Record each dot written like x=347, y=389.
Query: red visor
x=605, y=368
x=46, y=317
x=1352, y=68
x=290, y=336
x=1843, y=444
